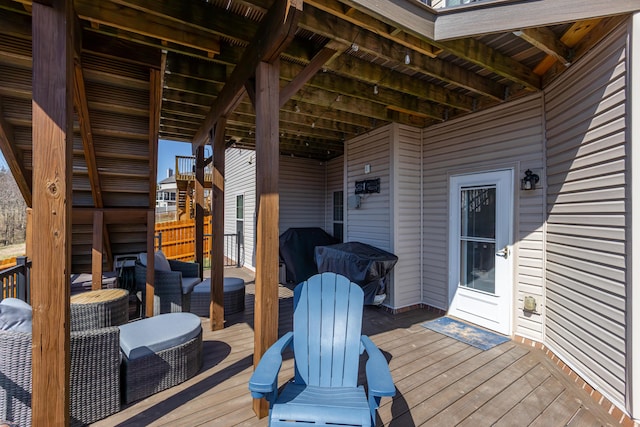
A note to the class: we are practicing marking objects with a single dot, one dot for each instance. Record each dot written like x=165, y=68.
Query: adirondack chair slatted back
x=327, y=324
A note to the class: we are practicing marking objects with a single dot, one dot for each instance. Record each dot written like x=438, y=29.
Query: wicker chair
x=94, y=376
x=172, y=289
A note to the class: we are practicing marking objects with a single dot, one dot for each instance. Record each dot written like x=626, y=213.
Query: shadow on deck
x=440, y=381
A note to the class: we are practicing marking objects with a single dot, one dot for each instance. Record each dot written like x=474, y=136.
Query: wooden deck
x=440, y=381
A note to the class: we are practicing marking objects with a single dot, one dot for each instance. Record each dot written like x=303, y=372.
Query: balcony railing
x=15, y=280
x=186, y=169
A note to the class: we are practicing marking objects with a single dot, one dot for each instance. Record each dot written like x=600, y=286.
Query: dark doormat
x=469, y=334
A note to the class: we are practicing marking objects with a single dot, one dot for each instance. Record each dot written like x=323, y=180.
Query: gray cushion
x=233, y=284
x=154, y=334
x=15, y=302
x=161, y=262
x=189, y=283
x=230, y=284
x=143, y=258
x=15, y=316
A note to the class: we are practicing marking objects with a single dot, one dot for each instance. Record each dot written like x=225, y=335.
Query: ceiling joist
x=275, y=32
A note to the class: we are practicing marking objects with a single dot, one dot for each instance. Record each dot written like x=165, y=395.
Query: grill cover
x=363, y=264
x=296, y=250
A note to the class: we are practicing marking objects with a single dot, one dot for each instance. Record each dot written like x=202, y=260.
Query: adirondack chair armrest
x=263, y=382
x=379, y=379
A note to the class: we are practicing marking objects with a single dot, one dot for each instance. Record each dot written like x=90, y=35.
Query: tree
x=13, y=210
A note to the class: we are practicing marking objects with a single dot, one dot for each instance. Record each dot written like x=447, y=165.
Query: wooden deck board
x=440, y=381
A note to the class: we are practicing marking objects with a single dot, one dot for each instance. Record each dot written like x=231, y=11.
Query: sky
x=167, y=152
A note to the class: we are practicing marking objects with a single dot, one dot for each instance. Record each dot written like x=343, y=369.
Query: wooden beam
x=570, y=38
x=394, y=13
x=346, y=29
x=275, y=32
x=216, y=307
x=156, y=80
x=303, y=77
x=82, y=110
x=13, y=157
x=369, y=23
x=503, y=17
x=112, y=215
x=199, y=219
x=149, y=286
x=96, y=253
x=545, y=40
x=267, y=200
x=482, y=55
x=410, y=16
x=109, y=14
x=52, y=29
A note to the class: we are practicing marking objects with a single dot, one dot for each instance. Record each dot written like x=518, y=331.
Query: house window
x=338, y=215
x=459, y=2
x=173, y=196
x=240, y=218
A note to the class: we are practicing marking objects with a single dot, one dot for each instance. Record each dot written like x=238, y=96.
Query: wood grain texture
x=96, y=252
x=52, y=134
x=267, y=197
x=424, y=365
x=217, y=211
x=148, y=302
x=199, y=205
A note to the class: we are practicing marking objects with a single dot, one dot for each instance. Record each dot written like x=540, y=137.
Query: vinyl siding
x=508, y=136
x=371, y=223
x=587, y=151
x=302, y=186
x=407, y=221
x=335, y=182
x=240, y=179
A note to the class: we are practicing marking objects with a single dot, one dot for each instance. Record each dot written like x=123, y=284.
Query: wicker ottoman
x=159, y=352
x=233, y=296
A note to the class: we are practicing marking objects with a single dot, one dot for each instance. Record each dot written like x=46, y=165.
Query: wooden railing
x=177, y=240
x=186, y=169
x=9, y=262
x=15, y=280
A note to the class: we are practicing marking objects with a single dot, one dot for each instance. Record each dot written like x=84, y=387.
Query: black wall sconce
x=529, y=181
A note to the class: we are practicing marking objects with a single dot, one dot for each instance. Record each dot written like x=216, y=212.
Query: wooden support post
x=52, y=31
x=96, y=253
x=29, y=234
x=216, y=310
x=267, y=197
x=150, y=288
x=199, y=196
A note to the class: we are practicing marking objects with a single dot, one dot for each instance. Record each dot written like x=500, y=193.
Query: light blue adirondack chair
x=327, y=344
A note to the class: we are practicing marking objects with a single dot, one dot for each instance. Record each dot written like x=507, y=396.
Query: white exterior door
x=480, y=249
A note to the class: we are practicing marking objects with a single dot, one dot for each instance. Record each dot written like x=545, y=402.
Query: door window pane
x=477, y=238
x=478, y=212
x=477, y=266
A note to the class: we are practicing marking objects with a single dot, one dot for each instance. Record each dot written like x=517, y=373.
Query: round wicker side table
x=99, y=309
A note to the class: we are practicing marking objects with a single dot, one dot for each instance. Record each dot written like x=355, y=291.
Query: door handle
x=504, y=252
